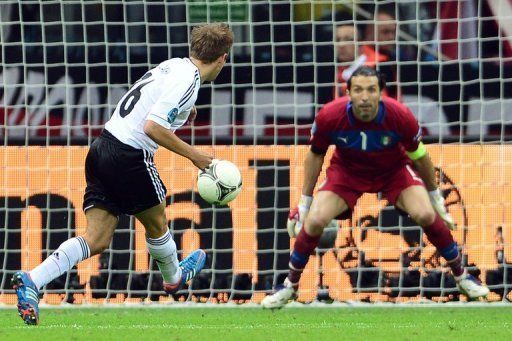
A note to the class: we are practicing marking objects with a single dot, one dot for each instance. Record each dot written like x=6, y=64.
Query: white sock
x=69, y=253
x=163, y=251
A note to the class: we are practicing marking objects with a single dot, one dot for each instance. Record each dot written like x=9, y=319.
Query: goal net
x=64, y=66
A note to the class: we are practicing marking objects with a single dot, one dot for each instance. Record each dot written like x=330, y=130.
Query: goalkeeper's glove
x=437, y=201
x=298, y=215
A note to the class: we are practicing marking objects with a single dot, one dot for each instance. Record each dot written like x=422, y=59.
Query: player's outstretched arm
x=167, y=139
x=427, y=172
x=312, y=168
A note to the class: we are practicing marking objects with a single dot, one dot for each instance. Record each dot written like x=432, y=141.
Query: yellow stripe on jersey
x=418, y=153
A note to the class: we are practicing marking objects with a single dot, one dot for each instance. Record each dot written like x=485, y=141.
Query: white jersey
x=165, y=95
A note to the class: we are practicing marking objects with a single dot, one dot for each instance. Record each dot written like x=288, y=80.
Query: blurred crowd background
x=63, y=66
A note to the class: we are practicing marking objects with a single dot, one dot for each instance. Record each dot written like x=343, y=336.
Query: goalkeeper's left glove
x=437, y=200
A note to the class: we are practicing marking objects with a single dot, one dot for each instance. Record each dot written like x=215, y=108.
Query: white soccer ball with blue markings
x=220, y=183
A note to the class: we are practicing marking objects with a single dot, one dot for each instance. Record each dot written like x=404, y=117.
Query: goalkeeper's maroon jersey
x=366, y=148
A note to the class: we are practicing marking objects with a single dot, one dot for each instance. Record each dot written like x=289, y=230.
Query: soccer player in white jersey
x=120, y=173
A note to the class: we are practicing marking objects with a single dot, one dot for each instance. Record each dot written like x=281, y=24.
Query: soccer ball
x=220, y=183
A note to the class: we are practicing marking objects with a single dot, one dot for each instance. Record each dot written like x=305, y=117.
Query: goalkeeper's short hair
x=368, y=71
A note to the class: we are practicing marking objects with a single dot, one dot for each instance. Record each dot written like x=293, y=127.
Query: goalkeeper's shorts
x=351, y=187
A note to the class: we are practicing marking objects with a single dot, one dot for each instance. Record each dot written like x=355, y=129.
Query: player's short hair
x=210, y=41
x=367, y=71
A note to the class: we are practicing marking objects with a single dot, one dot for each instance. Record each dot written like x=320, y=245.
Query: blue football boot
x=190, y=267
x=28, y=297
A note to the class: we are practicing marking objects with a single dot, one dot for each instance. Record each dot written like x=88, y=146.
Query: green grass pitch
x=361, y=323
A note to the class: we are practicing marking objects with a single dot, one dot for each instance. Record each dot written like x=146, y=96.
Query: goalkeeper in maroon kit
x=378, y=149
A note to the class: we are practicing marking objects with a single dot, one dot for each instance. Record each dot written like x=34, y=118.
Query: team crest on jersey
x=171, y=116
x=385, y=140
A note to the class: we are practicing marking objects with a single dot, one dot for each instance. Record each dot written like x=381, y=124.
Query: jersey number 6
x=133, y=96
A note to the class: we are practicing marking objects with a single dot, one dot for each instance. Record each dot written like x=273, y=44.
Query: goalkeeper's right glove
x=298, y=215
